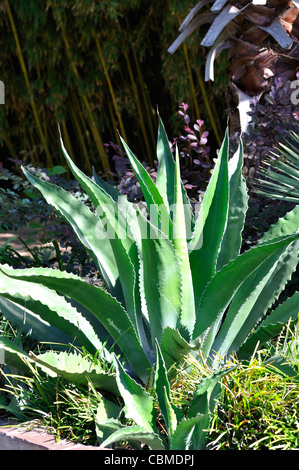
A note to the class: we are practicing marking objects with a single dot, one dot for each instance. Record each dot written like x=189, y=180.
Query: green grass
x=258, y=408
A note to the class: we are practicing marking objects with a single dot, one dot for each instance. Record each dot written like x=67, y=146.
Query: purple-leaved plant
x=194, y=152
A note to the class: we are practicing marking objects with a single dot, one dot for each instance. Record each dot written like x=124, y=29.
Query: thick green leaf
x=166, y=176
x=162, y=284
x=158, y=211
x=165, y=180
x=210, y=225
x=106, y=419
x=135, y=433
x=254, y=297
x=29, y=323
x=87, y=226
x=286, y=225
x=139, y=405
x=272, y=325
x=14, y=356
x=187, y=317
x=137, y=228
x=208, y=389
x=129, y=210
x=184, y=436
x=100, y=303
x=105, y=426
x=116, y=227
x=203, y=404
x=77, y=369
x=224, y=286
x=237, y=207
x=280, y=365
x=50, y=307
x=170, y=413
x=174, y=347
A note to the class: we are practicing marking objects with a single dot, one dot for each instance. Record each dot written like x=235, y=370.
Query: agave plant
x=279, y=178
x=169, y=277
x=173, y=281
x=261, y=35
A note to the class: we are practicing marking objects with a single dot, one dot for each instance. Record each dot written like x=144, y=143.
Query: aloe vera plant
x=171, y=278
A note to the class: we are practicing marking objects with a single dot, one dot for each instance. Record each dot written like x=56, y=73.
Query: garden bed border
x=16, y=437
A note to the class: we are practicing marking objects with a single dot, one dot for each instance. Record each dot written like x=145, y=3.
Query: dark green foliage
x=74, y=68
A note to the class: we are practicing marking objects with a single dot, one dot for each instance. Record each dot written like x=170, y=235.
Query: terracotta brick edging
x=19, y=438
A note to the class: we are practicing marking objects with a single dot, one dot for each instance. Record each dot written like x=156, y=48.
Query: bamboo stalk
x=139, y=110
x=79, y=132
x=78, y=112
x=116, y=134
x=144, y=91
x=10, y=147
x=66, y=139
x=45, y=122
x=24, y=70
x=148, y=106
x=93, y=126
x=116, y=109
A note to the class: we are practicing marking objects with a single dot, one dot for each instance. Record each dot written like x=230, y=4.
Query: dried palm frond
x=262, y=38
